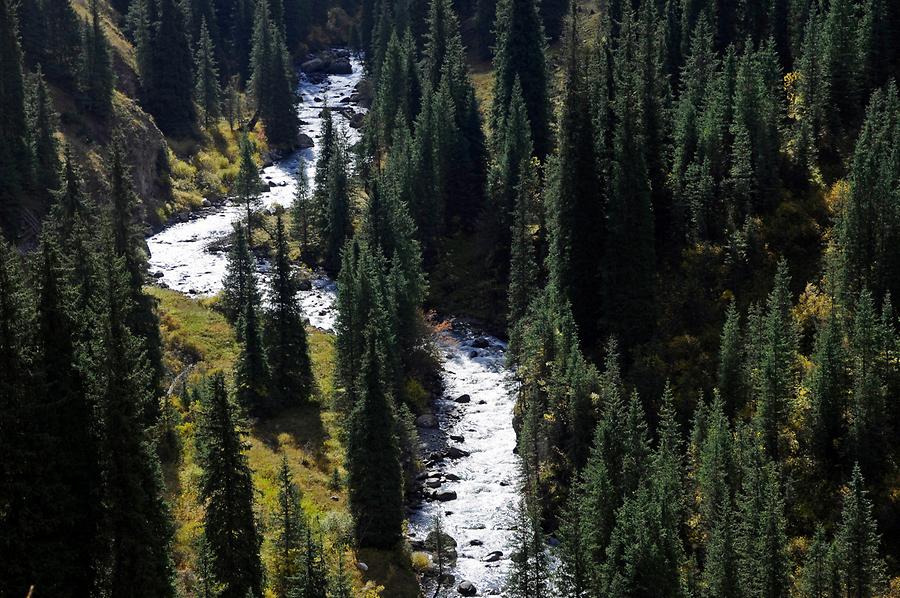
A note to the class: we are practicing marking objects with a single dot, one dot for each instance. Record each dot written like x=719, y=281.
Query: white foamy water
x=182, y=252
x=486, y=480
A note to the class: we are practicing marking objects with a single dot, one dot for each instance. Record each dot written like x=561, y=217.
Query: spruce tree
x=530, y=575
x=141, y=318
x=576, y=200
x=827, y=385
x=763, y=567
x=252, y=377
x=247, y=185
x=337, y=203
x=773, y=368
x=289, y=523
x=16, y=355
x=730, y=373
x=302, y=211
x=239, y=285
x=206, y=84
x=271, y=82
x=96, y=78
x=169, y=88
x=137, y=524
x=15, y=157
x=629, y=280
x=42, y=123
x=226, y=489
x=819, y=575
x=287, y=350
x=856, y=543
x=375, y=478
x=519, y=54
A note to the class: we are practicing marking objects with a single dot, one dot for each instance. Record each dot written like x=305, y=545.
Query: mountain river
x=472, y=474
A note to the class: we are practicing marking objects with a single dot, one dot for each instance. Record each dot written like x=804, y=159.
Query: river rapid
x=472, y=474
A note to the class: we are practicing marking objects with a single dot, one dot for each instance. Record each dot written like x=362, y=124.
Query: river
x=485, y=474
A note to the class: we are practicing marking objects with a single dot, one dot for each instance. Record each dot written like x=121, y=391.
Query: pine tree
x=819, y=576
x=287, y=350
x=96, y=74
x=239, y=285
x=141, y=317
x=867, y=224
x=523, y=268
x=42, y=123
x=856, y=543
x=16, y=355
x=730, y=378
x=289, y=523
x=303, y=214
x=247, y=185
x=337, y=203
x=519, y=54
x=271, y=81
x=773, y=369
x=226, y=489
x=375, y=478
x=841, y=68
x=763, y=567
x=206, y=84
x=59, y=49
x=529, y=576
x=252, y=377
x=169, y=88
x=576, y=217
x=15, y=157
x=311, y=580
x=813, y=91
x=629, y=281
x=137, y=523
x=827, y=387
x=867, y=437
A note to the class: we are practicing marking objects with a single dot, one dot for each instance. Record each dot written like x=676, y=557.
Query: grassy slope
x=196, y=335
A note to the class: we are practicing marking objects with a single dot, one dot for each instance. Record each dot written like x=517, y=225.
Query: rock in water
x=313, y=66
x=340, y=66
x=427, y=421
x=463, y=399
x=466, y=588
x=304, y=141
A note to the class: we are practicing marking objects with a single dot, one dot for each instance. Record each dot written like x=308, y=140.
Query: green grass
x=309, y=435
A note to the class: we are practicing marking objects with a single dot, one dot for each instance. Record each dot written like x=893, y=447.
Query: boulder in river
x=466, y=588
x=304, y=141
x=339, y=66
x=456, y=453
x=463, y=399
x=305, y=285
x=427, y=420
x=315, y=65
x=481, y=343
x=447, y=541
x=445, y=496
x=492, y=557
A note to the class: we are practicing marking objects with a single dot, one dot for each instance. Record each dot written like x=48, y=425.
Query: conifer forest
x=436, y=298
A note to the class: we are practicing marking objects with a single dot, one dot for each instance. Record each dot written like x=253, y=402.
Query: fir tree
x=226, y=489
x=206, y=84
x=271, y=82
x=762, y=541
x=375, y=478
x=247, y=185
x=252, y=377
x=287, y=350
x=519, y=54
x=96, y=74
x=730, y=378
x=856, y=543
x=42, y=125
x=337, y=203
x=169, y=88
x=827, y=386
x=137, y=523
x=239, y=285
x=289, y=523
x=15, y=157
x=303, y=211
x=529, y=577
x=819, y=576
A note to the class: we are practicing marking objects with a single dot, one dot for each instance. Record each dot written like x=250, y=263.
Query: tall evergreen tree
x=337, y=203
x=247, y=184
x=731, y=373
x=137, y=524
x=375, y=478
x=226, y=489
x=271, y=81
x=239, y=285
x=96, y=78
x=15, y=157
x=252, y=377
x=519, y=54
x=287, y=350
x=206, y=84
x=169, y=88
x=42, y=123
x=290, y=526
x=857, y=544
